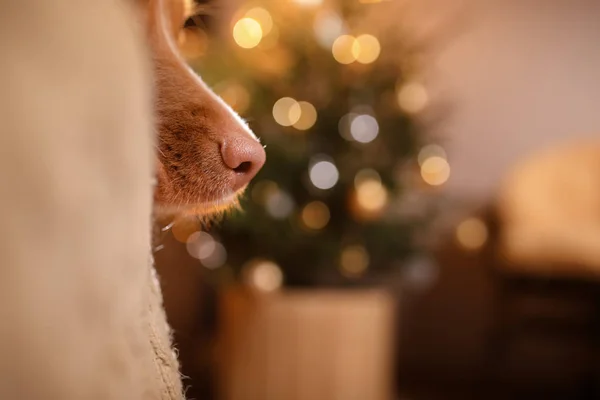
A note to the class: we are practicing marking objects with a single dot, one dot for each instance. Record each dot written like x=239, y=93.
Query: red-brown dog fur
x=192, y=178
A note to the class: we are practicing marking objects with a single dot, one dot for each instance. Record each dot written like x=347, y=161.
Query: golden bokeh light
x=327, y=26
x=366, y=49
x=308, y=116
x=371, y=195
x=189, y=8
x=203, y=247
x=431, y=150
x=271, y=40
x=344, y=126
x=182, y=228
x=263, y=190
x=247, y=33
x=286, y=111
x=315, y=215
x=345, y=49
x=366, y=174
x=234, y=94
x=263, y=17
x=263, y=275
x=308, y=3
x=435, y=171
x=354, y=261
x=472, y=233
x=412, y=97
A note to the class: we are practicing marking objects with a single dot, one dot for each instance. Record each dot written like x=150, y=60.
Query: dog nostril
x=243, y=168
x=244, y=156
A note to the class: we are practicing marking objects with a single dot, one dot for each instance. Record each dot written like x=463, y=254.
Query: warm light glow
x=315, y=215
x=308, y=3
x=308, y=116
x=364, y=128
x=271, y=40
x=371, y=195
x=263, y=190
x=286, y=111
x=324, y=174
x=412, y=97
x=181, y=229
x=247, y=33
x=327, y=26
x=235, y=95
x=189, y=7
x=279, y=204
x=192, y=43
x=435, y=171
x=354, y=261
x=431, y=150
x=344, y=126
x=366, y=174
x=345, y=49
x=367, y=49
x=472, y=233
x=263, y=17
x=263, y=275
x=203, y=247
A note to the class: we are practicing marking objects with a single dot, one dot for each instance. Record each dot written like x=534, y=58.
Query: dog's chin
x=201, y=208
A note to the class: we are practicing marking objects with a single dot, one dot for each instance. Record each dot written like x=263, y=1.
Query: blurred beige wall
x=521, y=74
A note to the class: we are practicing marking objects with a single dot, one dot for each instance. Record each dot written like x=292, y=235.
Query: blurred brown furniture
x=547, y=310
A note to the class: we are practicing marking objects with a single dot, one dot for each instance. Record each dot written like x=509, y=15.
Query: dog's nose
x=245, y=156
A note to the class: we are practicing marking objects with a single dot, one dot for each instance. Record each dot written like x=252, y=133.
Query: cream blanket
x=81, y=314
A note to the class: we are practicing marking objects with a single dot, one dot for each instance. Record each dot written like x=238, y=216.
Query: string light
x=431, y=150
x=364, y=128
x=412, y=97
x=315, y=215
x=323, y=174
x=286, y=111
x=279, y=204
x=263, y=275
x=367, y=49
x=270, y=41
x=371, y=195
x=247, y=33
x=345, y=49
x=327, y=26
x=344, y=126
x=435, y=171
x=308, y=3
x=366, y=174
x=205, y=248
x=188, y=8
x=262, y=190
x=472, y=233
x=263, y=17
x=354, y=261
x=234, y=94
x=420, y=272
x=308, y=116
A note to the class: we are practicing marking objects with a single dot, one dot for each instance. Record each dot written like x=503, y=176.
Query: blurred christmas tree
x=334, y=93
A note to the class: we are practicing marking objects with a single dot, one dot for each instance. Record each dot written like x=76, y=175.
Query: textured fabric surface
x=81, y=315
